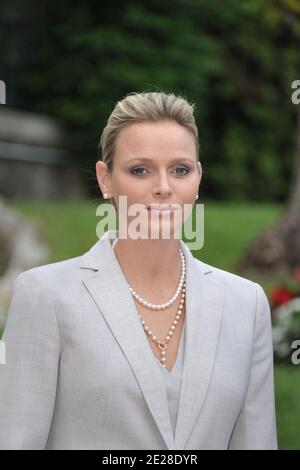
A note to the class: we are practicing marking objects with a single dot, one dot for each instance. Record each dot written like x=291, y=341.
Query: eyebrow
x=145, y=159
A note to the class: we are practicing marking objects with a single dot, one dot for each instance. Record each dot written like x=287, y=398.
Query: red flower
x=280, y=296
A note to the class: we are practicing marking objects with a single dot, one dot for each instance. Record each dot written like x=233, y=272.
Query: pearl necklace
x=173, y=298
x=162, y=345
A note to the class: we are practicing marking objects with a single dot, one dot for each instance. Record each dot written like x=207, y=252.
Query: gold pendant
x=161, y=345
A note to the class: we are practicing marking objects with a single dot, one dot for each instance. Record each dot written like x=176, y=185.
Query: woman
x=137, y=344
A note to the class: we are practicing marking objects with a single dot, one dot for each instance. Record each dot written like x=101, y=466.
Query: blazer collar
x=204, y=306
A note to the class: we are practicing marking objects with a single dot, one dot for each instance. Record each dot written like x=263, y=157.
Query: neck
x=150, y=261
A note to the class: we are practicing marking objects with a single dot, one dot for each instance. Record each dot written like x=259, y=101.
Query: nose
x=162, y=187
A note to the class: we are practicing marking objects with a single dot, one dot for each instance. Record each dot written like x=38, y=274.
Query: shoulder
x=235, y=286
x=52, y=274
x=226, y=278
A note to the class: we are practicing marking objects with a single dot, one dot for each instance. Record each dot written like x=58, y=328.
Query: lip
x=162, y=207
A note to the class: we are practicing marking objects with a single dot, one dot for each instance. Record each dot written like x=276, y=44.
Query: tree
x=277, y=249
x=75, y=61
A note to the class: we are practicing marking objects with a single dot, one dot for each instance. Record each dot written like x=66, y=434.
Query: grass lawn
x=287, y=387
x=70, y=230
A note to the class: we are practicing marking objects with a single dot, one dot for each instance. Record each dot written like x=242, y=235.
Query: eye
x=183, y=168
x=138, y=172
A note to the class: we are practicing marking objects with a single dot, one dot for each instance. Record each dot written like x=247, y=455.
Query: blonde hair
x=145, y=106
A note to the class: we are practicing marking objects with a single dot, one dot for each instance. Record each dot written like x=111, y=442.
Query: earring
x=196, y=196
x=104, y=196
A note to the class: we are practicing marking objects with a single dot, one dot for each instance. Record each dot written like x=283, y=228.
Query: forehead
x=153, y=138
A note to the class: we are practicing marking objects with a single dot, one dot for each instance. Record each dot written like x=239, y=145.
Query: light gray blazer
x=80, y=373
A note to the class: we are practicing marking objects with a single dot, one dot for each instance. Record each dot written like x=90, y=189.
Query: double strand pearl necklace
x=181, y=287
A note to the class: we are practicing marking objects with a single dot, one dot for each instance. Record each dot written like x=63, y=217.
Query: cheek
x=189, y=190
x=134, y=190
x=187, y=197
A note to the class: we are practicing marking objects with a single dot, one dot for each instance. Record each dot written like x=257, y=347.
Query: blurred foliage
x=235, y=60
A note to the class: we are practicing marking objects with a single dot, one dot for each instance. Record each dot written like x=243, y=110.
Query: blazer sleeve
x=29, y=377
x=256, y=424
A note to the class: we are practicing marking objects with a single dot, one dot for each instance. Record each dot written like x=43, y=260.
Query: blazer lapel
x=109, y=289
x=204, y=301
x=204, y=308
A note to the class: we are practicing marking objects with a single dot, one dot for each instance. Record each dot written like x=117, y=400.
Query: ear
x=103, y=178
x=199, y=170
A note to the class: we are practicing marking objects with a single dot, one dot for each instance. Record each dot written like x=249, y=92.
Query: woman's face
x=154, y=163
